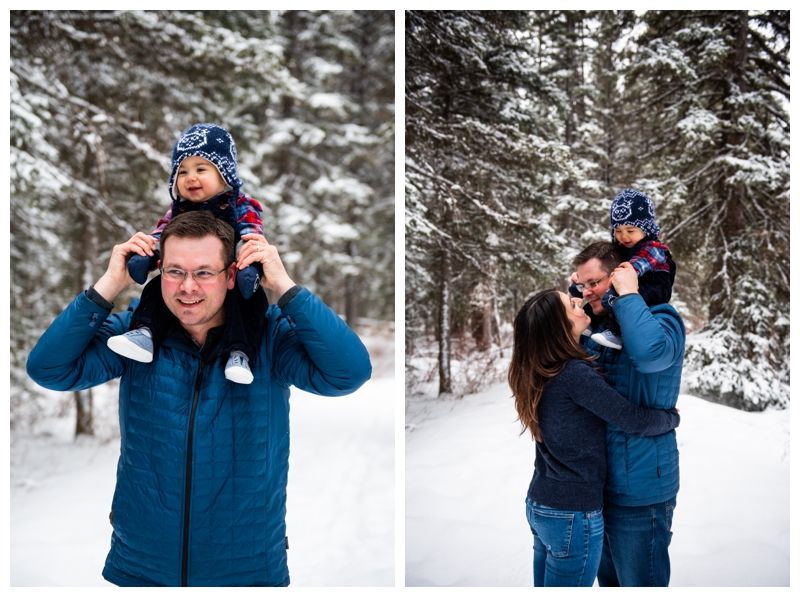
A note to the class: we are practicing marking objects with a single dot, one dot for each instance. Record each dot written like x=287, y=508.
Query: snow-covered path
x=340, y=510
x=467, y=473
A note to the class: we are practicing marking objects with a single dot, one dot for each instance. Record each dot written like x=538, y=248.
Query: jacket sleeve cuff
x=288, y=296
x=98, y=299
x=615, y=298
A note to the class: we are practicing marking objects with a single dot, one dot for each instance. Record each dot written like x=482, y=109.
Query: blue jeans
x=635, y=548
x=566, y=546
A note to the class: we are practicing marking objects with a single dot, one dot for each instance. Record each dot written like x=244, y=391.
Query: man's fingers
x=253, y=236
x=140, y=243
x=147, y=242
x=255, y=249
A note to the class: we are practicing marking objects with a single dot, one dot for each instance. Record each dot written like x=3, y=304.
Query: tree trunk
x=445, y=300
x=83, y=406
x=486, y=327
x=445, y=382
x=725, y=274
x=483, y=315
x=569, y=82
x=286, y=159
x=351, y=288
x=89, y=249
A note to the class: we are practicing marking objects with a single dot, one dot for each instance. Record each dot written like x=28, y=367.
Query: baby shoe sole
x=600, y=339
x=126, y=348
x=239, y=375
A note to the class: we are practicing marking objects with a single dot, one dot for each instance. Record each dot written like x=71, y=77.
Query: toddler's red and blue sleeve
x=162, y=223
x=248, y=216
x=651, y=257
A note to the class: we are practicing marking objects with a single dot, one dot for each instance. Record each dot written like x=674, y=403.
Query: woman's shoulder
x=578, y=369
x=575, y=379
x=573, y=364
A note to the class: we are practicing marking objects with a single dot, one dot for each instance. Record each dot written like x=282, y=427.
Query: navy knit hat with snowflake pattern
x=211, y=142
x=633, y=208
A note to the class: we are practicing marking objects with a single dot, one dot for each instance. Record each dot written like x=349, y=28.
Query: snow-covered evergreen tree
x=711, y=91
x=330, y=156
x=691, y=107
x=581, y=53
x=481, y=160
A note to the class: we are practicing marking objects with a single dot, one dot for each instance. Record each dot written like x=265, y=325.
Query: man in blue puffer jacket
x=642, y=480
x=200, y=498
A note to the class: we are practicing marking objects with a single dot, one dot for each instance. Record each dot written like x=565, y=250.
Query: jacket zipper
x=187, y=498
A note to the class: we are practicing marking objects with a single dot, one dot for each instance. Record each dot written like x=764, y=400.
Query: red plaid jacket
x=248, y=214
x=649, y=256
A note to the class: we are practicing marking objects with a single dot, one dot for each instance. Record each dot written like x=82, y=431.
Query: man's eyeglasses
x=201, y=276
x=590, y=285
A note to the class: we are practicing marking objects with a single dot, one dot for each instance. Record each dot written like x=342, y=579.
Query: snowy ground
x=341, y=494
x=467, y=473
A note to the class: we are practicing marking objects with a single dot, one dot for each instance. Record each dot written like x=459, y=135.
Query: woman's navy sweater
x=570, y=468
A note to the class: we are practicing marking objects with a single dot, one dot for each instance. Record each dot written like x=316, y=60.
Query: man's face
x=198, y=306
x=590, y=272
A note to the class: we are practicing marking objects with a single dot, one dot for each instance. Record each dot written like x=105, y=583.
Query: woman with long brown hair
x=564, y=403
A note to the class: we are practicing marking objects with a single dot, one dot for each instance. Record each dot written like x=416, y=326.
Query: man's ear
x=232, y=269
